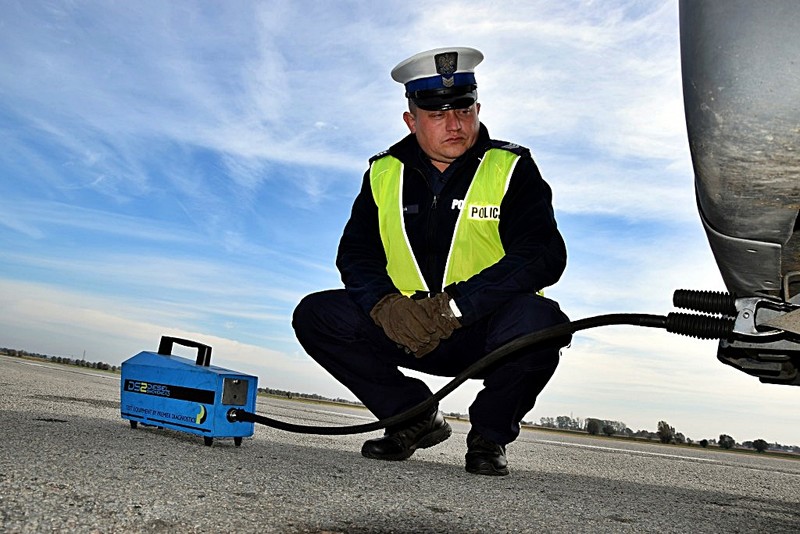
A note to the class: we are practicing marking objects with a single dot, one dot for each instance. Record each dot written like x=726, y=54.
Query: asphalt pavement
x=70, y=463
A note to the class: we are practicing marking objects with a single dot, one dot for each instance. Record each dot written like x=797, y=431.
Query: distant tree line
x=591, y=425
x=79, y=362
x=665, y=433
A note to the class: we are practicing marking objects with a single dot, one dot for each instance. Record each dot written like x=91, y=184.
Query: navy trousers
x=346, y=342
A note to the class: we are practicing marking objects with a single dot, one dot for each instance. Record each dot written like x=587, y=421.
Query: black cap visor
x=443, y=99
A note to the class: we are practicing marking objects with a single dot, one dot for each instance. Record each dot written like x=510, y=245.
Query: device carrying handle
x=203, y=351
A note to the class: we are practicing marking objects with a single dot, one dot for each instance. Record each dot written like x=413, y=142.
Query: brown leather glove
x=441, y=317
x=427, y=348
x=404, y=321
x=440, y=314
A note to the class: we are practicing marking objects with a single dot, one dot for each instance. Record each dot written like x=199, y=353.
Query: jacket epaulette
x=379, y=155
x=511, y=147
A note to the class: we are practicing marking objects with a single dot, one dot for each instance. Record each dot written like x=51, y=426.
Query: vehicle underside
x=741, y=85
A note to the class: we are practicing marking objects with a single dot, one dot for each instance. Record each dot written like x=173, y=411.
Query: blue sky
x=186, y=168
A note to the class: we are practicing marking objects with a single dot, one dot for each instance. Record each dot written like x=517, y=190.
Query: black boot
x=485, y=457
x=400, y=444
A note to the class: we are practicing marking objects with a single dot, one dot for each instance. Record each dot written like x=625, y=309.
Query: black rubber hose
x=563, y=330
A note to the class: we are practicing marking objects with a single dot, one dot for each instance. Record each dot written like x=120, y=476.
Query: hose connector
x=713, y=302
x=700, y=326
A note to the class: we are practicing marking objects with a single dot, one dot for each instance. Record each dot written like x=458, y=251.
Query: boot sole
x=428, y=440
x=487, y=469
x=434, y=438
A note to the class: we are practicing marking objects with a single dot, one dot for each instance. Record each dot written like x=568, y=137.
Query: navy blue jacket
x=535, y=255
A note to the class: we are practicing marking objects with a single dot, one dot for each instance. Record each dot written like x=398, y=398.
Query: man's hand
x=405, y=322
x=416, y=325
x=440, y=315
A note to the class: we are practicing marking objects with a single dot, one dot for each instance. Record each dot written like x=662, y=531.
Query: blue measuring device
x=168, y=391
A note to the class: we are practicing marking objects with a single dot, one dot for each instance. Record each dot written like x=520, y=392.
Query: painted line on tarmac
x=341, y=414
x=58, y=366
x=328, y=412
x=615, y=449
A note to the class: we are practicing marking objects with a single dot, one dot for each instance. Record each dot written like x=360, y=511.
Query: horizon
x=316, y=397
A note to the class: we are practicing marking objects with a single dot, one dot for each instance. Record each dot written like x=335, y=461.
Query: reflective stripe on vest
x=386, y=180
x=476, y=239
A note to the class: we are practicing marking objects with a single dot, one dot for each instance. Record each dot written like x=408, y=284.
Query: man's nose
x=453, y=121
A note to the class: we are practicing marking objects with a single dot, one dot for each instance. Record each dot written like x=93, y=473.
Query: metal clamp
x=762, y=318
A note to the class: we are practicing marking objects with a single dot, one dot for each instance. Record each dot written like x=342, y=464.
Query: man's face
x=444, y=135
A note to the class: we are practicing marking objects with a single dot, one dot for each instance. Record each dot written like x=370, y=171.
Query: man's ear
x=410, y=121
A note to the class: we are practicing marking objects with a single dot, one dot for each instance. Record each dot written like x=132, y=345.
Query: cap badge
x=446, y=65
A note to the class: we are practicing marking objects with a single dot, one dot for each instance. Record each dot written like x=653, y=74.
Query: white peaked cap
x=442, y=78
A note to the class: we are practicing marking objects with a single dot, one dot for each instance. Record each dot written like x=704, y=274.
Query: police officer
x=449, y=240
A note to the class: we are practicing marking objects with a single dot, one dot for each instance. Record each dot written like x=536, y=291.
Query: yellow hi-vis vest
x=476, y=237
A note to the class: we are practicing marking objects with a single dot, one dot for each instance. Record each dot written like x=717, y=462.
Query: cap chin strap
x=460, y=90
x=443, y=107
